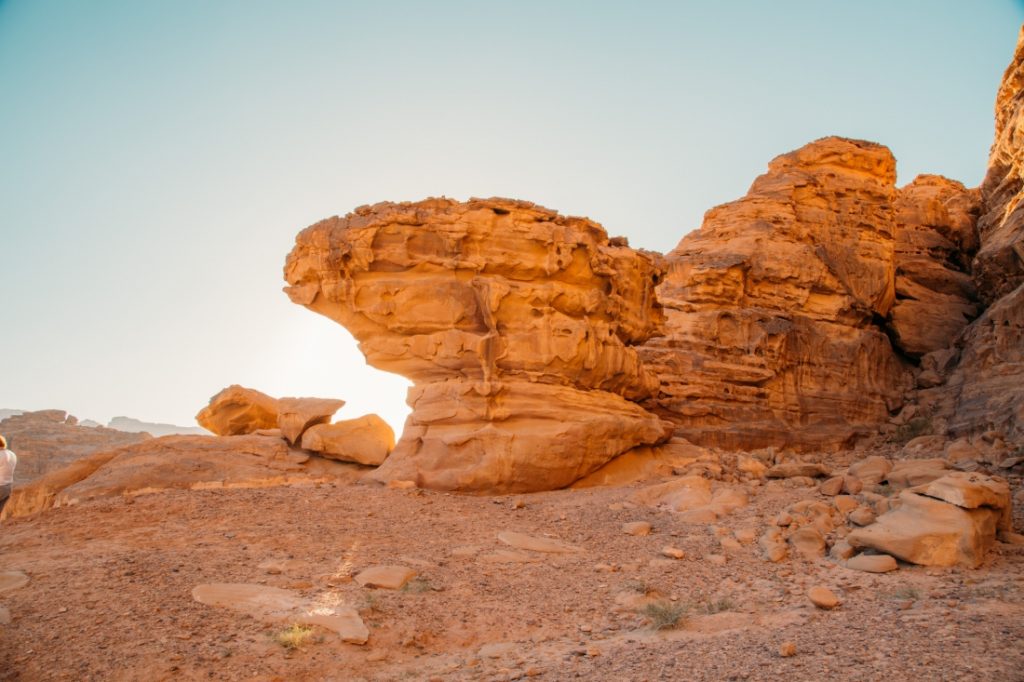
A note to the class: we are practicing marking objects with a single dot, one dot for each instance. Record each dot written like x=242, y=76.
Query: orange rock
x=986, y=386
x=516, y=324
x=237, y=411
x=366, y=440
x=774, y=307
x=936, y=236
x=295, y=415
x=935, y=532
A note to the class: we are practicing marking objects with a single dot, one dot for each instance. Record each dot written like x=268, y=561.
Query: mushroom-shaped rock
x=295, y=415
x=366, y=440
x=516, y=325
x=237, y=410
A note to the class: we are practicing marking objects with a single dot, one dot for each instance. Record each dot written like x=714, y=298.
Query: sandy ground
x=110, y=593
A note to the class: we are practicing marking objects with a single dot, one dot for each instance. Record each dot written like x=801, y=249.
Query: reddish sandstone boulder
x=237, y=411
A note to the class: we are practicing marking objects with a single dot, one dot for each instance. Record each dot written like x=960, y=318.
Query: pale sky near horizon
x=158, y=158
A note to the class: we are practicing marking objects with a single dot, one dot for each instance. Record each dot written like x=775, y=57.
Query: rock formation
x=176, y=462
x=774, y=307
x=295, y=415
x=985, y=387
x=237, y=410
x=48, y=440
x=936, y=235
x=516, y=324
x=952, y=520
x=366, y=440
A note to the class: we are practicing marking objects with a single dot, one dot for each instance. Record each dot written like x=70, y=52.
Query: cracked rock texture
x=517, y=326
x=774, y=307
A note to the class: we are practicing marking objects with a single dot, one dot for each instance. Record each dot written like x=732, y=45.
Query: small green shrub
x=664, y=615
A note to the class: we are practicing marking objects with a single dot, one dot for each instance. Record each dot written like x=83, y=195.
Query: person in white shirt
x=8, y=461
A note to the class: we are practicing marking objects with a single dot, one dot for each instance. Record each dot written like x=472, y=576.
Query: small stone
x=636, y=528
x=832, y=486
x=845, y=503
x=5, y=616
x=377, y=655
x=745, y=535
x=852, y=485
x=716, y=559
x=808, y=542
x=841, y=551
x=12, y=580
x=730, y=544
x=862, y=516
x=872, y=563
x=823, y=598
x=787, y=649
x=673, y=552
x=386, y=577
x=783, y=519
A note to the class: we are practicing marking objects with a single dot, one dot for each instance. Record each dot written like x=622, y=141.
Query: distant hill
x=130, y=425
x=4, y=414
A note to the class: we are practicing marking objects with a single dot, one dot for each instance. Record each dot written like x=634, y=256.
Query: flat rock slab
x=535, y=544
x=12, y=580
x=273, y=604
x=386, y=577
x=508, y=556
x=872, y=563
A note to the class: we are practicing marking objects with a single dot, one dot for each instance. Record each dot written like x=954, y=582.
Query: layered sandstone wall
x=774, y=307
x=516, y=324
x=985, y=389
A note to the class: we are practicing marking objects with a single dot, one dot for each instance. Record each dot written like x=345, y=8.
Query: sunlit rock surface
x=516, y=325
x=775, y=307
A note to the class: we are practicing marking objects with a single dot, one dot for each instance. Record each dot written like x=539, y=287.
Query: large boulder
x=951, y=520
x=516, y=325
x=295, y=415
x=366, y=440
x=775, y=307
x=237, y=410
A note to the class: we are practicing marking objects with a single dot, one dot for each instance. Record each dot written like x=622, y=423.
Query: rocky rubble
x=517, y=326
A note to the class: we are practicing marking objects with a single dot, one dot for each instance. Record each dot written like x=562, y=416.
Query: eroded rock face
x=773, y=307
x=936, y=235
x=999, y=265
x=985, y=389
x=516, y=324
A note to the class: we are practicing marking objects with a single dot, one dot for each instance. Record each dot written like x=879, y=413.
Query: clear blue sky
x=159, y=157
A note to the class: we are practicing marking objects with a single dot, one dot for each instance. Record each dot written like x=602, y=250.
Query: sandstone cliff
x=985, y=390
x=775, y=307
x=515, y=323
